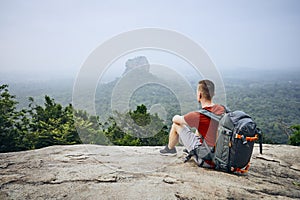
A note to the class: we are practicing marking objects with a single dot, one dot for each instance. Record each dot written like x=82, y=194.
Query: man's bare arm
x=177, y=119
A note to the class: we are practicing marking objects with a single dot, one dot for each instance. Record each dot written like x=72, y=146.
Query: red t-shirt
x=206, y=127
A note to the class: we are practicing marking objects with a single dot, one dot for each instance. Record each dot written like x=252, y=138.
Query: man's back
x=205, y=126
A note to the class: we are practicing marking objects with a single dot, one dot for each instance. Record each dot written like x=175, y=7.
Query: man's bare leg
x=173, y=136
x=173, y=140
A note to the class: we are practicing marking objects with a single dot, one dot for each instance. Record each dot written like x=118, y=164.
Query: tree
x=140, y=115
x=137, y=128
x=89, y=128
x=52, y=124
x=40, y=126
x=14, y=124
x=8, y=118
x=295, y=136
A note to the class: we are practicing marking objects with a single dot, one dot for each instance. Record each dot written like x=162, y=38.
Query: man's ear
x=200, y=95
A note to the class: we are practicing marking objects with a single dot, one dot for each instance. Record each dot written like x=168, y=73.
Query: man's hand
x=197, y=133
x=177, y=119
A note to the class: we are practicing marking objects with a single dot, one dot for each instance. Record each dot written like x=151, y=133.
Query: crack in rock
x=54, y=182
x=267, y=158
x=295, y=167
x=6, y=165
x=182, y=197
x=280, y=193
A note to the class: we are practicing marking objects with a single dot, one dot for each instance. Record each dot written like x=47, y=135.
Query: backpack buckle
x=243, y=138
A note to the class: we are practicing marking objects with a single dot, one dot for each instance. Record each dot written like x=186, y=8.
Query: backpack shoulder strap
x=210, y=114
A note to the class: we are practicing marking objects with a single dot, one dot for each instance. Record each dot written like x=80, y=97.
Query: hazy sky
x=56, y=36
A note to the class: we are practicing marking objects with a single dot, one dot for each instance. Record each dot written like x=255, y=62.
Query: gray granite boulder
x=112, y=172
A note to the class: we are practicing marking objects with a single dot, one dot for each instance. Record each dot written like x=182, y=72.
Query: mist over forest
x=271, y=97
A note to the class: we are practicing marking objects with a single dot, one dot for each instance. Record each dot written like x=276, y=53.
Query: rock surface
x=111, y=172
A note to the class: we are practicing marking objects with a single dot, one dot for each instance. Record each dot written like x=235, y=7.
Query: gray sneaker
x=168, y=152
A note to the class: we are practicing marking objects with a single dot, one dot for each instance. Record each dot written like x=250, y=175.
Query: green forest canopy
x=271, y=98
x=274, y=105
x=53, y=124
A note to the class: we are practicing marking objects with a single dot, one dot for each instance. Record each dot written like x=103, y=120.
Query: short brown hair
x=207, y=88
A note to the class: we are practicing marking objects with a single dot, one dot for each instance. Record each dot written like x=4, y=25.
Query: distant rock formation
x=113, y=172
x=139, y=62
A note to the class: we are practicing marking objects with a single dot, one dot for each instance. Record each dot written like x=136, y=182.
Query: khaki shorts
x=188, y=139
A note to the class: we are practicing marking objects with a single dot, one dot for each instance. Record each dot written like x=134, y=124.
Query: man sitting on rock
x=206, y=128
